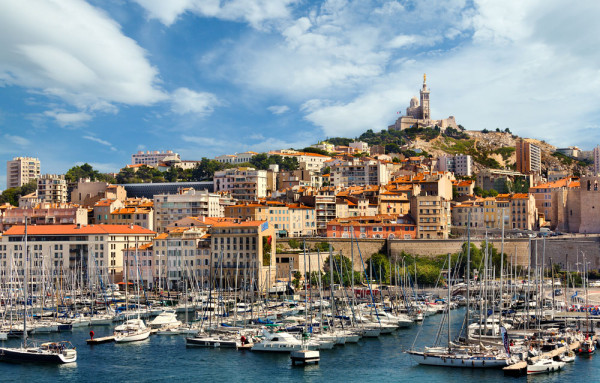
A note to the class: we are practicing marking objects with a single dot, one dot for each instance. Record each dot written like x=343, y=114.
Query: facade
x=44, y=214
x=152, y=158
x=464, y=188
x=21, y=170
x=596, y=154
x=529, y=157
x=459, y=164
x=360, y=146
x=244, y=251
x=359, y=172
x=543, y=195
x=52, y=188
x=392, y=202
x=499, y=180
x=235, y=159
x=460, y=214
x=523, y=213
x=139, y=216
x=379, y=226
x=169, y=208
x=325, y=210
x=287, y=220
x=307, y=161
x=431, y=215
x=243, y=183
x=575, y=207
x=87, y=192
x=67, y=249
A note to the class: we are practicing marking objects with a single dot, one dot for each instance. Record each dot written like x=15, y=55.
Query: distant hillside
x=494, y=149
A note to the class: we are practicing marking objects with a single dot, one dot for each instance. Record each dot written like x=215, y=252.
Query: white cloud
x=253, y=12
x=186, y=101
x=100, y=141
x=68, y=119
x=17, y=140
x=278, y=109
x=74, y=51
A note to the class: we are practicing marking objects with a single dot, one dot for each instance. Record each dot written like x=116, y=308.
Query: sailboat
x=133, y=329
x=464, y=356
x=49, y=352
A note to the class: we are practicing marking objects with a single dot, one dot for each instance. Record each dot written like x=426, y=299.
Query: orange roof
x=520, y=196
x=74, y=230
x=105, y=202
x=243, y=223
x=561, y=183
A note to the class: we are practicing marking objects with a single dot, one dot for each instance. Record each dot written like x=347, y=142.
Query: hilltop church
x=418, y=114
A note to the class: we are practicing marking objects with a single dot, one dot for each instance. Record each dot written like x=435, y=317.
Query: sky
x=95, y=81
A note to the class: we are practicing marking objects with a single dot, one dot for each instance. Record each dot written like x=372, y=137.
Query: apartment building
x=459, y=164
x=236, y=159
x=542, y=194
x=44, y=214
x=188, y=202
x=52, y=188
x=432, y=216
x=288, y=220
x=243, y=183
x=529, y=157
x=67, y=250
x=359, y=172
x=21, y=170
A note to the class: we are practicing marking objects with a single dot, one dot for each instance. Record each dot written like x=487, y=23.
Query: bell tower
x=425, y=113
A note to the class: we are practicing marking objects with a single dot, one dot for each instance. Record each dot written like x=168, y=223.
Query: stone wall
x=562, y=250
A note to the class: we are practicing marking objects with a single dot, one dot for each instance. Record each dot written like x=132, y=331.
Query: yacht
x=544, y=365
x=281, y=342
x=165, y=318
x=131, y=331
x=49, y=352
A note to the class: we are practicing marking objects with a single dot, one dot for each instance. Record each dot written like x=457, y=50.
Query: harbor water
x=166, y=359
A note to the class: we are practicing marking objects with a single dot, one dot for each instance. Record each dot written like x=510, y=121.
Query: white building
x=52, y=188
x=152, y=158
x=169, y=208
x=306, y=160
x=358, y=172
x=460, y=164
x=238, y=158
x=242, y=183
x=360, y=146
x=21, y=170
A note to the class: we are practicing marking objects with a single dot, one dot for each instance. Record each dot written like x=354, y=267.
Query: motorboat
x=544, y=365
x=49, y=352
x=282, y=342
x=167, y=317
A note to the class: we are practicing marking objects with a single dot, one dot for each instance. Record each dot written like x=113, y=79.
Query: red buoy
x=92, y=334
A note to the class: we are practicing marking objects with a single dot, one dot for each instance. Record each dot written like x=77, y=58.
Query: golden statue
x=424, y=78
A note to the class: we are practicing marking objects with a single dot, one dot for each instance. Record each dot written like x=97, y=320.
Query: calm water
x=165, y=358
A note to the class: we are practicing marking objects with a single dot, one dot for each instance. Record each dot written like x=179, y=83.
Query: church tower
x=426, y=115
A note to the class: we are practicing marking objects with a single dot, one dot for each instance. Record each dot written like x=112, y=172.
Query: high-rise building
x=529, y=157
x=52, y=188
x=460, y=164
x=597, y=160
x=21, y=170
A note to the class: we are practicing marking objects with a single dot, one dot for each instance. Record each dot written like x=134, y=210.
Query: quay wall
x=563, y=250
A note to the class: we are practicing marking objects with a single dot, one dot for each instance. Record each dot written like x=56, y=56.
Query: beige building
x=288, y=220
x=21, y=170
x=522, y=213
x=169, y=208
x=359, y=172
x=542, y=194
x=44, y=214
x=52, y=188
x=431, y=215
x=245, y=251
x=66, y=249
x=576, y=208
x=138, y=216
x=246, y=184
x=87, y=192
x=461, y=212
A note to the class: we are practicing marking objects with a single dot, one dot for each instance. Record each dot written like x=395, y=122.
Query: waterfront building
x=460, y=214
x=21, y=170
x=288, y=220
x=432, y=216
x=67, y=249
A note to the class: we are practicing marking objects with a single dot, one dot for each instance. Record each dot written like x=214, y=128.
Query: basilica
x=418, y=114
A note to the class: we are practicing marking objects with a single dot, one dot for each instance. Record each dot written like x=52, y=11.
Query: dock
x=110, y=338
x=104, y=339
x=305, y=357
x=520, y=368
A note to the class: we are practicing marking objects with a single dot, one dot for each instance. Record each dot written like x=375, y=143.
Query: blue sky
x=96, y=81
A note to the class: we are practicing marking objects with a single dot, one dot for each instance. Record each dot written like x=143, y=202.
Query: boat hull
x=25, y=355
x=457, y=361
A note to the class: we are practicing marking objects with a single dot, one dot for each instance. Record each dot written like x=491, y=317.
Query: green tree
x=378, y=266
x=294, y=243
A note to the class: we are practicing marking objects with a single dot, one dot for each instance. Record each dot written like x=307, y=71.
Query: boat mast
x=25, y=277
x=468, y=273
x=449, y=296
x=501, y=271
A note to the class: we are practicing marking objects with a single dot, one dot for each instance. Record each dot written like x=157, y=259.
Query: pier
x=520, y=368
